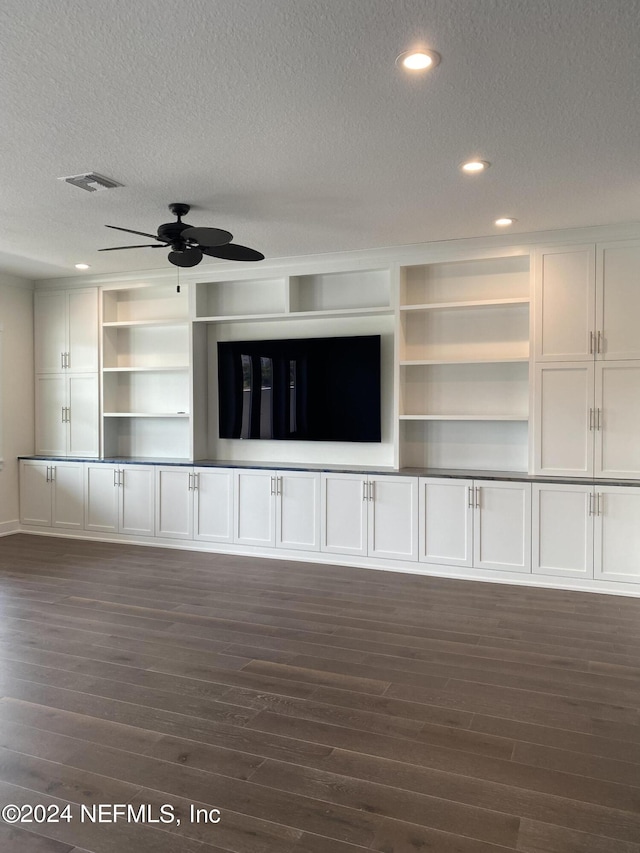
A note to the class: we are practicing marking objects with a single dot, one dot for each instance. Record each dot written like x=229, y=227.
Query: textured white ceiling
x=287, y=122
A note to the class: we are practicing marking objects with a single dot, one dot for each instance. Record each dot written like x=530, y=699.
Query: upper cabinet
x=587, y=301
x=66, y=331
x=618, y=300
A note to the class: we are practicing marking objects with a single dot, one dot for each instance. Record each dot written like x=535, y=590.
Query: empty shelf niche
x=241, y=297
x=151, y=437
x=146, y=346
x=357, y=290
x=144, y=304
x=487, y=279
x=147, y=392
x=494, y=390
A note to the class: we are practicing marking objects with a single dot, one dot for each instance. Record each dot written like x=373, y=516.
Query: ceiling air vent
x=91, y=182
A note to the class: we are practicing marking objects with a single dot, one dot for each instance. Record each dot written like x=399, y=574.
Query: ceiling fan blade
x=145, y=246
x=209, y=237
x=234, y=252
x=129, y=231
x=188, y=258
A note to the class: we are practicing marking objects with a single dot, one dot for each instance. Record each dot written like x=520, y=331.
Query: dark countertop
x=448, y=473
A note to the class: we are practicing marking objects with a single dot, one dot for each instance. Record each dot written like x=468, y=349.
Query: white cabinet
x=374, y=516
x=565, y=301
x=586, y=419
x=618, y=300
x=120, y=499
x=446, y=521
x=564, y=419
x=617, y=534
x=481, y=523
x=277, y=509
x=617, y=407
x=194, y=503
x=502, y=526
x=52, y=494
x=66, y=331
x=562, y=529
x=67, y=414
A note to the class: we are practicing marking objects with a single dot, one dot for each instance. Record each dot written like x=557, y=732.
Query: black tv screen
x=305, y=389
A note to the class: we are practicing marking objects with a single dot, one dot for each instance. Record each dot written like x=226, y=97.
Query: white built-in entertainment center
x=510, y=398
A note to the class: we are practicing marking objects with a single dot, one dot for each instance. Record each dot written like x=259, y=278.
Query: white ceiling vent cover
x=91, y=182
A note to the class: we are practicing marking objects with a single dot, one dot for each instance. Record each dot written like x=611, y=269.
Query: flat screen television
x=303, y=389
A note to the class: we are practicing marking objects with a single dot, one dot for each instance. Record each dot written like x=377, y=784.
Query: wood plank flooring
x=321, y=709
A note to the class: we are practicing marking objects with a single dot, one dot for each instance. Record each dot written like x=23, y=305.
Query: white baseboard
x=9, y=527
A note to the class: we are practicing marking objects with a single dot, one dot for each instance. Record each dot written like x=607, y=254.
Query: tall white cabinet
x=66, y=360
x=587, y=351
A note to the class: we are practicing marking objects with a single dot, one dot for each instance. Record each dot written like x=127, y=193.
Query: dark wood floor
x=321, y=709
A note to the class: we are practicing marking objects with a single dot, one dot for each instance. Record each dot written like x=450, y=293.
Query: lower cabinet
x=52, y=494
x=194, y=503
x=278, y=509
x=589, y=531
x=370, y=516
x=484, y=524
x=120, y=499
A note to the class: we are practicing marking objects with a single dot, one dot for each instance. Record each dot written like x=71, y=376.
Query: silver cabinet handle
x=121, y=477
x=600, y=504
x=53, y=473
x=599, y=419
x=279, y=486
x=591, y=336
x=591, y=502
x=190, y=486
x=591, y=419
x=599, y=343
x=68, y=414
x=364, y=490
x=62, y=359
x=372, y=490
x=477, y=491
x=115, y=476
x=273, y=485
x=196, y=482
x=47, y=473
x=470, y=497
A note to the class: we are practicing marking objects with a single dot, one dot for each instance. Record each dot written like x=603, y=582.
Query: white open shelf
x=464, y=417
x=164, y=369
x=476, y=303
x=146, y=414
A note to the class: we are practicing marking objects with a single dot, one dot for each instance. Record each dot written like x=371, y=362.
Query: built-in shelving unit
x=464, y=364
x=332, y=294
x=146, y=376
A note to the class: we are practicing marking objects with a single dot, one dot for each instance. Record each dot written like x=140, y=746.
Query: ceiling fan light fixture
x=81, y=266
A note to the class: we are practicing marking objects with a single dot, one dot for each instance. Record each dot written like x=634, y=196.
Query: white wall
x=16, y=389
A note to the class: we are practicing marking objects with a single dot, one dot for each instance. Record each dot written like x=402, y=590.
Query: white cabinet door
x=68, y=495
x=50, y=331
x=137, y=499
x=344, y=514
x=562, y=529
x=564, y=419
x=618, y=306
x=502, y=526
x=446, y=521
x=51, y=422
x=83, y=415
x=565, y=304
x=254, y=516
x=617, y=534
x=174, y=502
x=82, y=325
x=101, y=498
x=35, y=493
x=213, y=505
x=298, y=510
x=393, y=518
x=618, y=419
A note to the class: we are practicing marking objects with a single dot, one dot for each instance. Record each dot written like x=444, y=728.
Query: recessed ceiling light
x=474, y=167
x=504, y=220
x=82, y=266
x=418, y=60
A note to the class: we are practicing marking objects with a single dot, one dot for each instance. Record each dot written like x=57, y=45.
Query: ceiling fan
x=188, y=244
